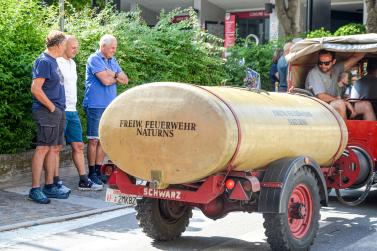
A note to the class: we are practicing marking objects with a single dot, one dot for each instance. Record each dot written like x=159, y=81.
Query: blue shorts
x=93, y=116
x=72, y=129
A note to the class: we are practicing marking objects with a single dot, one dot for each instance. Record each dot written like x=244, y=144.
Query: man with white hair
x=103, y=73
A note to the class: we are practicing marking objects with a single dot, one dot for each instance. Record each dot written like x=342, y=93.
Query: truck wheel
x=296, y=229
x=162, y=220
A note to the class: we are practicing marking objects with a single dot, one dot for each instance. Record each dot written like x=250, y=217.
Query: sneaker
x=38, y=196
x=100, y=175
x=94, y=177
x=54, y=192
x=62, y=188
x=89, y=186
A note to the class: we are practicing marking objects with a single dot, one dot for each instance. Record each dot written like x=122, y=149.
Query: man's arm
x=353, y=60
x=326, y=97
x=106, y=77
x=38, y=93
x=122, y=78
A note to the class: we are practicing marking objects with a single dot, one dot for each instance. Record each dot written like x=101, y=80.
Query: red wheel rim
x=300, y=211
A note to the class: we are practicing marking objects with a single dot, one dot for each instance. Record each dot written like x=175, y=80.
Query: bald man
x=73, y=129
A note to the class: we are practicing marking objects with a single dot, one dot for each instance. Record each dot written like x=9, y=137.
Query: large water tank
x=177, y=133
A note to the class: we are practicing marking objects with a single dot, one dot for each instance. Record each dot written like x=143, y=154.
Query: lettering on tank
x=152, y=128
x=294, y=117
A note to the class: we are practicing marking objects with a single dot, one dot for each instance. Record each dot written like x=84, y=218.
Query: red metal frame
x=204, y=193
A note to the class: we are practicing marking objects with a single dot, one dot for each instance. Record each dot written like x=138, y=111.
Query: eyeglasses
x=327, y=63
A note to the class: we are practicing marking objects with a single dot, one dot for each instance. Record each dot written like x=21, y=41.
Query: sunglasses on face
x=327, y=63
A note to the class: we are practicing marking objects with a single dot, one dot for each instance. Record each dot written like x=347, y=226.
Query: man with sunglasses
x=322, y=81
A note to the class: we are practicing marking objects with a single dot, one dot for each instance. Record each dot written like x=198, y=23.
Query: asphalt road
x=341, y=228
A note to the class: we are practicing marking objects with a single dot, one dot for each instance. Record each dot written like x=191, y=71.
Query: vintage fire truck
x=176, y=147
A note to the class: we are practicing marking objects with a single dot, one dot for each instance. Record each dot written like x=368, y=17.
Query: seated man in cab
x=366, y=87
x=322, y=81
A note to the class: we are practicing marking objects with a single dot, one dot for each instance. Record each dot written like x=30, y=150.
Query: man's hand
x=122, y=78
x=351, y=109
x=38, y=93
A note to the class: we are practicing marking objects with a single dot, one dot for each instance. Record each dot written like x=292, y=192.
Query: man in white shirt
x=73, y=129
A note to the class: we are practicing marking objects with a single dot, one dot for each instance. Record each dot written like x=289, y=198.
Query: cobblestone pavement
x=16, y=209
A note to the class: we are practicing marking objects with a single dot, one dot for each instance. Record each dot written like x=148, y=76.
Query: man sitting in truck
x=322, y=81
x=366, y=87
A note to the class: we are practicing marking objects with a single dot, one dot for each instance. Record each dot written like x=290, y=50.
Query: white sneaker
x=89, y=186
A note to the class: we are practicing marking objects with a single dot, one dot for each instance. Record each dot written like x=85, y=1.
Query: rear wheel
x=297, y=227
x=162, y=220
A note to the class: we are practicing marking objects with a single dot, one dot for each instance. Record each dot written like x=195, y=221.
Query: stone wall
x=15, y=164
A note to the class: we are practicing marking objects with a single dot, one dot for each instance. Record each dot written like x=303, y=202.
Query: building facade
x=225, y=18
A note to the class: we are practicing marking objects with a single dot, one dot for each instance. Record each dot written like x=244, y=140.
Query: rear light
x=229, y=184
x=108, y=170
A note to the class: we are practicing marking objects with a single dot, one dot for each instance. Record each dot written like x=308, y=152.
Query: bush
x=179, y=52
x=350, y=29
x=319, y=33
x=23, y=26
x=256, y=57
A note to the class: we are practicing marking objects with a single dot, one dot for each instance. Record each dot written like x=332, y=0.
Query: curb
x=60, y=218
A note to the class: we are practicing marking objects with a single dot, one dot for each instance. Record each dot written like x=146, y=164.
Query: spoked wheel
x=162, y=220
x=297, y=227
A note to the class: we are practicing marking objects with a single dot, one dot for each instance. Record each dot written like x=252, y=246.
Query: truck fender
x=274, y=188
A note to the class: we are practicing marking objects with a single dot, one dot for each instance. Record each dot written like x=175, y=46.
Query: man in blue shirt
x=283, y=68
x=48, y=112
x=103, y=73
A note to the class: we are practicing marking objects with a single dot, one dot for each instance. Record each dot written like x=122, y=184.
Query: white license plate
x=116, y=196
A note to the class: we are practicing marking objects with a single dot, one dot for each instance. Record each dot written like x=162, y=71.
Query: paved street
x=341, y=228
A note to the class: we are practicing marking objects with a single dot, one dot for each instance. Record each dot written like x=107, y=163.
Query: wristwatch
x=116, y=75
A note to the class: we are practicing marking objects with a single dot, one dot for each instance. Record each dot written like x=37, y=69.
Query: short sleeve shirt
x=320, y=82
x=46, y=67
x=98, y=95
x=365, y=88
x=68, y=69
x=283, y=70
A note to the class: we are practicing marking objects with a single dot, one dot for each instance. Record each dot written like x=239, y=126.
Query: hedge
x=180, y=52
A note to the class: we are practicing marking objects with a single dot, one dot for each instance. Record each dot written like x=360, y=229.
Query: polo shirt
x=98, y=95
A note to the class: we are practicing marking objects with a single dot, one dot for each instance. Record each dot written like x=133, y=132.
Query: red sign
x=229, y=30
x=178, y=19
x=252, y=14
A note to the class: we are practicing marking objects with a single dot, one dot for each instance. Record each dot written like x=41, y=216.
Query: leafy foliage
x=350, y=29
x=23, y=26
x=319, y=33
x=169, y=51
x=256, y=57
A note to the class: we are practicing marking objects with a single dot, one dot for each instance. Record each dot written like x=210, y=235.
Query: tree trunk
x=287, y=15
x=371, y=16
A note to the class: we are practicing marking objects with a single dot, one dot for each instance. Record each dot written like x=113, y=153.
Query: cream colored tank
x=177, y=133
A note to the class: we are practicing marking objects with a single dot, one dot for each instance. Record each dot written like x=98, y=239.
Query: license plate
x=116, y=196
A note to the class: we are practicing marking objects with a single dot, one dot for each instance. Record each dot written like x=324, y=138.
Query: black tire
x=156, y=221
x=278, y=230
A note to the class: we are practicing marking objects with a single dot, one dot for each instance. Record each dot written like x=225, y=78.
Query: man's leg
x=51, y=164
x=92, y=151
x=366, y=109
x=95, y=153
x=57, y=165
x=340, y=106
x=78, y=157
x=37, y=164
x=100, y=155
